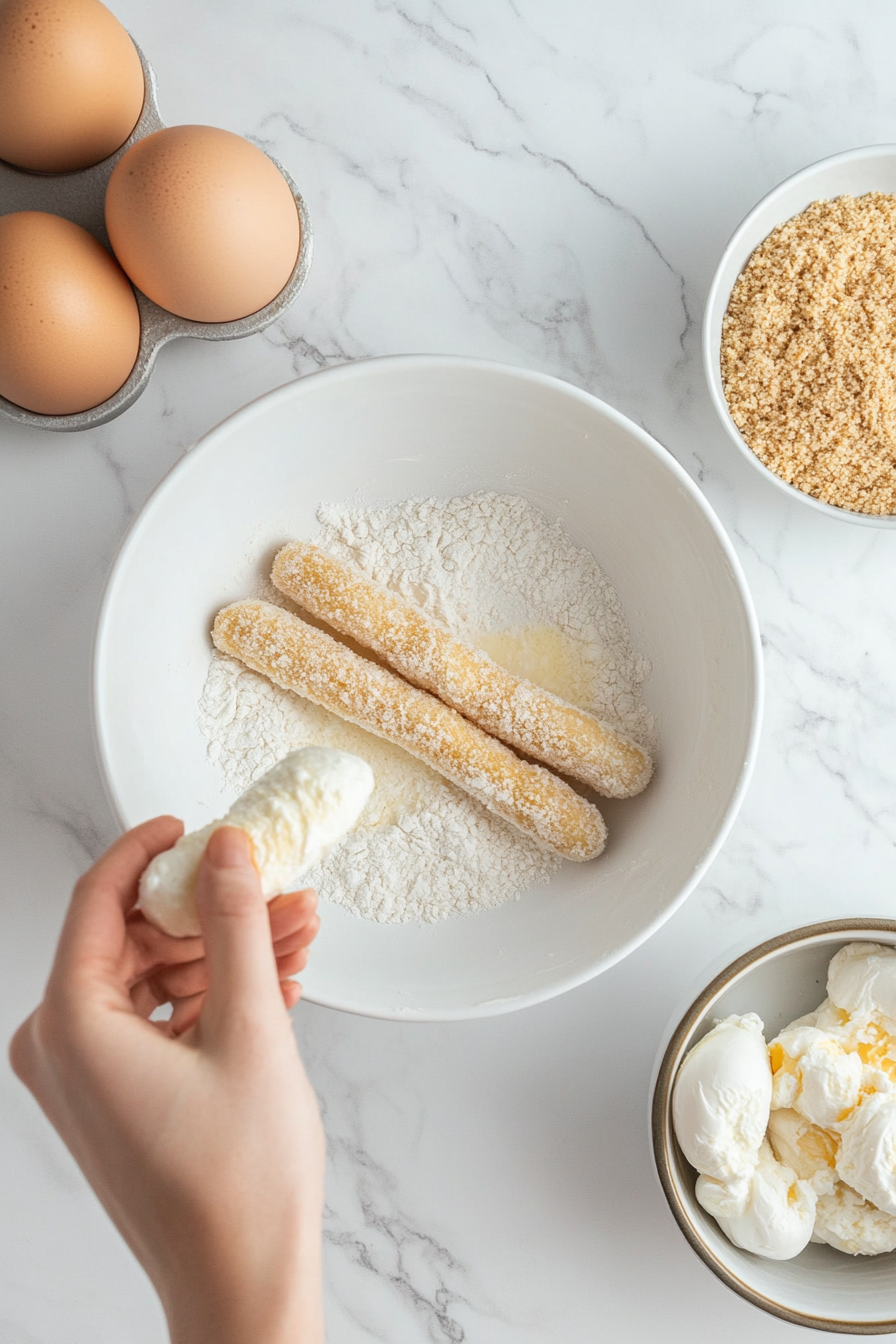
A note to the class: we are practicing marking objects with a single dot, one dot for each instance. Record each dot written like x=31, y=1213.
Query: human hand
x=201, y=1135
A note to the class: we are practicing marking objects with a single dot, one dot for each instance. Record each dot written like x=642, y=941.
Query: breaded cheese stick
x=520, y=713
x=301, y=658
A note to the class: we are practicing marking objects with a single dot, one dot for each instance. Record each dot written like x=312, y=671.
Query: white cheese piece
x=292, y=815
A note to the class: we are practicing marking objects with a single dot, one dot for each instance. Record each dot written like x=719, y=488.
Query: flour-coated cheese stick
x=520, y=713
x=292, y=815
x=301, y=658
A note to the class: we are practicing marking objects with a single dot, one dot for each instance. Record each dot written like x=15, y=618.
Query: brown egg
x=202, y=222
x=69, y=324
x=71, y=84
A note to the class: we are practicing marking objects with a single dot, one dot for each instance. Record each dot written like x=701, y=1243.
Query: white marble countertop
x=549, y=185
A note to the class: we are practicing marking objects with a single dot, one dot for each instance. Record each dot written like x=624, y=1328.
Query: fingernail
x=229, y=848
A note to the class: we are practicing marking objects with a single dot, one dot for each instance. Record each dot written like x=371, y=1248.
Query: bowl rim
x=710, y=352
x=663, y=1139
x=373, y=367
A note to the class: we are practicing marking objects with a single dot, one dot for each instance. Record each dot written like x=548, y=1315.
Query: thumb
x=243, y=985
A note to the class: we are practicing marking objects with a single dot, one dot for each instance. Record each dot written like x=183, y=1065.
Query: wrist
x=299, y=1321
x=277, y=1303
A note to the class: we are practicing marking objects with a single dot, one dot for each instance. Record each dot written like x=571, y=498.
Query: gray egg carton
x=80, y=197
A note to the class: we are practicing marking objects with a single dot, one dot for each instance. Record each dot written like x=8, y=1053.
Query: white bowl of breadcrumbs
x=799, y=337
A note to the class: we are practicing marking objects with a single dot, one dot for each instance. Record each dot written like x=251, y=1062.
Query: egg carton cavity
x=79, y=197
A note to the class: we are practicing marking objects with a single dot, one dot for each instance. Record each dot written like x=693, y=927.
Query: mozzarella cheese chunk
x=721, y=1099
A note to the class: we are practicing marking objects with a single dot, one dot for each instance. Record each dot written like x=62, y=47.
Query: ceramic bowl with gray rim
x=80, y=197
x=854, y=173
x=821, y=1288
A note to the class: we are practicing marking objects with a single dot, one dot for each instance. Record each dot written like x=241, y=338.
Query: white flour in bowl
x=495, y=571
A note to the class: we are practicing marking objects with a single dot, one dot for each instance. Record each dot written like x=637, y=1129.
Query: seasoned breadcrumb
x=808, y=352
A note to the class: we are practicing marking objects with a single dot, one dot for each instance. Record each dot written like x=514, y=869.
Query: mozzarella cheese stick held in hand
x=301, y=658
x=528, y=717
x=292, y=815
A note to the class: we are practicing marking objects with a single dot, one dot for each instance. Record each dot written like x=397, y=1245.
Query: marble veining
x=548, y=185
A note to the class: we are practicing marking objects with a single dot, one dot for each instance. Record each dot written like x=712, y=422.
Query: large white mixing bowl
x=426, y=425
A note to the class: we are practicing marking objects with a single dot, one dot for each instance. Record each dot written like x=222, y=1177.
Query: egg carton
x=80, y=197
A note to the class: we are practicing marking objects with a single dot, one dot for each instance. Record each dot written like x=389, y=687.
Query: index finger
x=94, y=927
